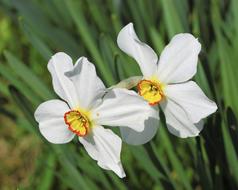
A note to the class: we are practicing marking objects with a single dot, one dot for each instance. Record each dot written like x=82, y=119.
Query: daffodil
x=85, y=107
x=165, y=82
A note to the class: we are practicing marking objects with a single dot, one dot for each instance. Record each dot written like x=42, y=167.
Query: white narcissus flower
x=165, y=82
x=86, y=108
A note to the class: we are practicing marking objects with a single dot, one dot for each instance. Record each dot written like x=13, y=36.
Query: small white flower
x=165, y=82
x=86, y=108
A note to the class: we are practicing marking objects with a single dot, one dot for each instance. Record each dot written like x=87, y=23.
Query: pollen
x=77, y=122
x=151, y=90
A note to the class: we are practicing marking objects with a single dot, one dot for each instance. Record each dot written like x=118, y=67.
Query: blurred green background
x=31, y=31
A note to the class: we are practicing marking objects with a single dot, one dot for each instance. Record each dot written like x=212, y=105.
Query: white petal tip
x=184, y=135
x=193, y=132
x=60, y=54
x=82, y=59
x=124, y=31
x=120, y=171
x=215, y=107
x=122, y=175
x=130, y=24
x=188, y=36
x=188, y=136
x=58, y=58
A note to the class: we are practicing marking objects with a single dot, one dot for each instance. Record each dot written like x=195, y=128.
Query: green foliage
x=38, y=29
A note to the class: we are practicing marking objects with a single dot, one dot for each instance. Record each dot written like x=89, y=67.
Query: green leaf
x=231, y=155
x=28, y=77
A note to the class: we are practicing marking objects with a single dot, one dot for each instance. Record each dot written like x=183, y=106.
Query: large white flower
x=165, y=82
x=86, y=107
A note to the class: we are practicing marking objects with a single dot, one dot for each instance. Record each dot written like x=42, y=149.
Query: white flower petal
x=50, y=116
x=128, y=42
x=58, y=65
x=178, y=133
x=191, y=98
x=105, y=147
x=178, y=61
x=137, y=138
x=125, y=108
x=178, y=121
x=88, y=85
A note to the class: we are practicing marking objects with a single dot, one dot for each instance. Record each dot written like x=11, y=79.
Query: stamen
x=77, y=122
x=150, y=91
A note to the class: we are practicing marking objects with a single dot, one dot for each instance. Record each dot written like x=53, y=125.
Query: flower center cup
x=150, y=91
x=77, y=122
